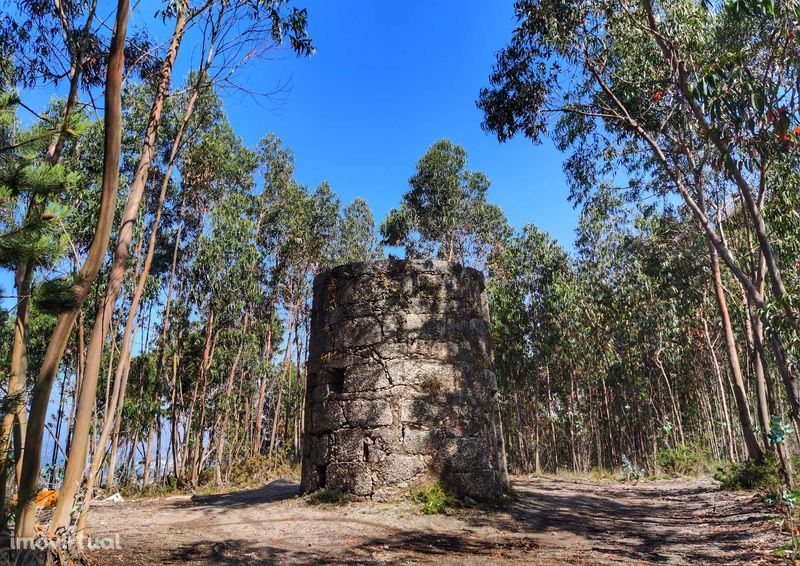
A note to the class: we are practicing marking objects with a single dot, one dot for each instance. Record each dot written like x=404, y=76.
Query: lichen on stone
x=401, y=388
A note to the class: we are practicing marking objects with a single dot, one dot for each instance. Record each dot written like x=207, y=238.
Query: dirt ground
x=554, y=520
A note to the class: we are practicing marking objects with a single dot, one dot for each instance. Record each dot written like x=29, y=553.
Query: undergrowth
x=784, y=502
x=749, y=475
x=683, y=460
x=253, y=471
x=434, y=498
x=328, y=495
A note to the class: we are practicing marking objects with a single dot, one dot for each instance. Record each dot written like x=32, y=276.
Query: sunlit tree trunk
x=75, y=462
x=266, y=354
x=26, y=506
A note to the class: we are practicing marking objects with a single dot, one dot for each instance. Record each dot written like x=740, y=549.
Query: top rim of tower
x=396, y=266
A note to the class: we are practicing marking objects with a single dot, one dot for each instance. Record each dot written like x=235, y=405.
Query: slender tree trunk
x=115, y=419
x=722, y=396
x=26, y=506
x=173, y=437
x=14, y=421
x=75, y=461
x=57, y=434
x=668, y=383
x=24, y=272
x=159, y=432
x=205, y=363
x=148, y=451
x=537, y=462
x=754, y=451
x=286, y=357
x=79, y=375
x=223, y=429
x=266, y=354
x=551, y=420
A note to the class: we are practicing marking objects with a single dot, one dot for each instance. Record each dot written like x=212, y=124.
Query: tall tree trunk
x=722, y=396
x=115, y=420
x=286, y=359
x=79, y=374
x=223, y=429
x=26, y=506
x=266, y=354
x=148, y=451
x=57, y=434
x=740, y=395
x=14, y=421
x=173, y=435
x=205, y=363
x=754, y=451
x=17, y=386
x=75, y=461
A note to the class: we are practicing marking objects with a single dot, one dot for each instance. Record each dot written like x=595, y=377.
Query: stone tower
x=401, y=388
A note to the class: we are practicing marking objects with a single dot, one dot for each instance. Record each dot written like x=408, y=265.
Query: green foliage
x=434, y=498
x=749, y=475
x=258, y=470
x=445, y=214
x=778, y=430
x=683, y=460
x=55, y=296
x=33, y=241
x=329, y=496
x=785, y=502
x=357, y=237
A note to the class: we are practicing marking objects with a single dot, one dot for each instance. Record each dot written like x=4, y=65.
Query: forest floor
x=553, y=520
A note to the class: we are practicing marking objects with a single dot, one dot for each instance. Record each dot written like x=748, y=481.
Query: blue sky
x=389, y=79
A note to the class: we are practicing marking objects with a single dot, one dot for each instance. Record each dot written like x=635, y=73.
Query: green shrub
x=749, y=475
x=434, y=498
x=683, y=460
x=328, y=495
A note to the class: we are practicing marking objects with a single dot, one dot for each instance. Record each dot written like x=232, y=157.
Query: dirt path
x=553, y=521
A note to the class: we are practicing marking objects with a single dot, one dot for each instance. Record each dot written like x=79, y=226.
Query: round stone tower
x=401, y=388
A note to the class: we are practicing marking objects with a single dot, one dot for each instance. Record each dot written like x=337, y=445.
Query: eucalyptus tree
x=86, y=398
x=257, y=26
x=46, y=44
x=525, y=289
x=224, y=289
x=42, y=46
x=358, y=239
x=445, y=213
x=81, y=282
x=33, y=241
x=639, y=87
x=279, y=200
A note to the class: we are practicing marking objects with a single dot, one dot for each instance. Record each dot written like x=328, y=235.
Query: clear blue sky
x=389, y=79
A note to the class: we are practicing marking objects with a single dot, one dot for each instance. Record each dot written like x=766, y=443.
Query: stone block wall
x=401, y=388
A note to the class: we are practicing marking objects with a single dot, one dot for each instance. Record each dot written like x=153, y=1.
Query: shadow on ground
x=553, y=520
x=274, y=491
x=698, y=525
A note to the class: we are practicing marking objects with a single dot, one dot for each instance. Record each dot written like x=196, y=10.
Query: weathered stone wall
x=401, y=387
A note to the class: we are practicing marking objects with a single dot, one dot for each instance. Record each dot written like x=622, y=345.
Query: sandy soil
x=554, y=520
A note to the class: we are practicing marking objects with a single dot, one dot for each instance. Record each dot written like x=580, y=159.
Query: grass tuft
x=328, y=495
